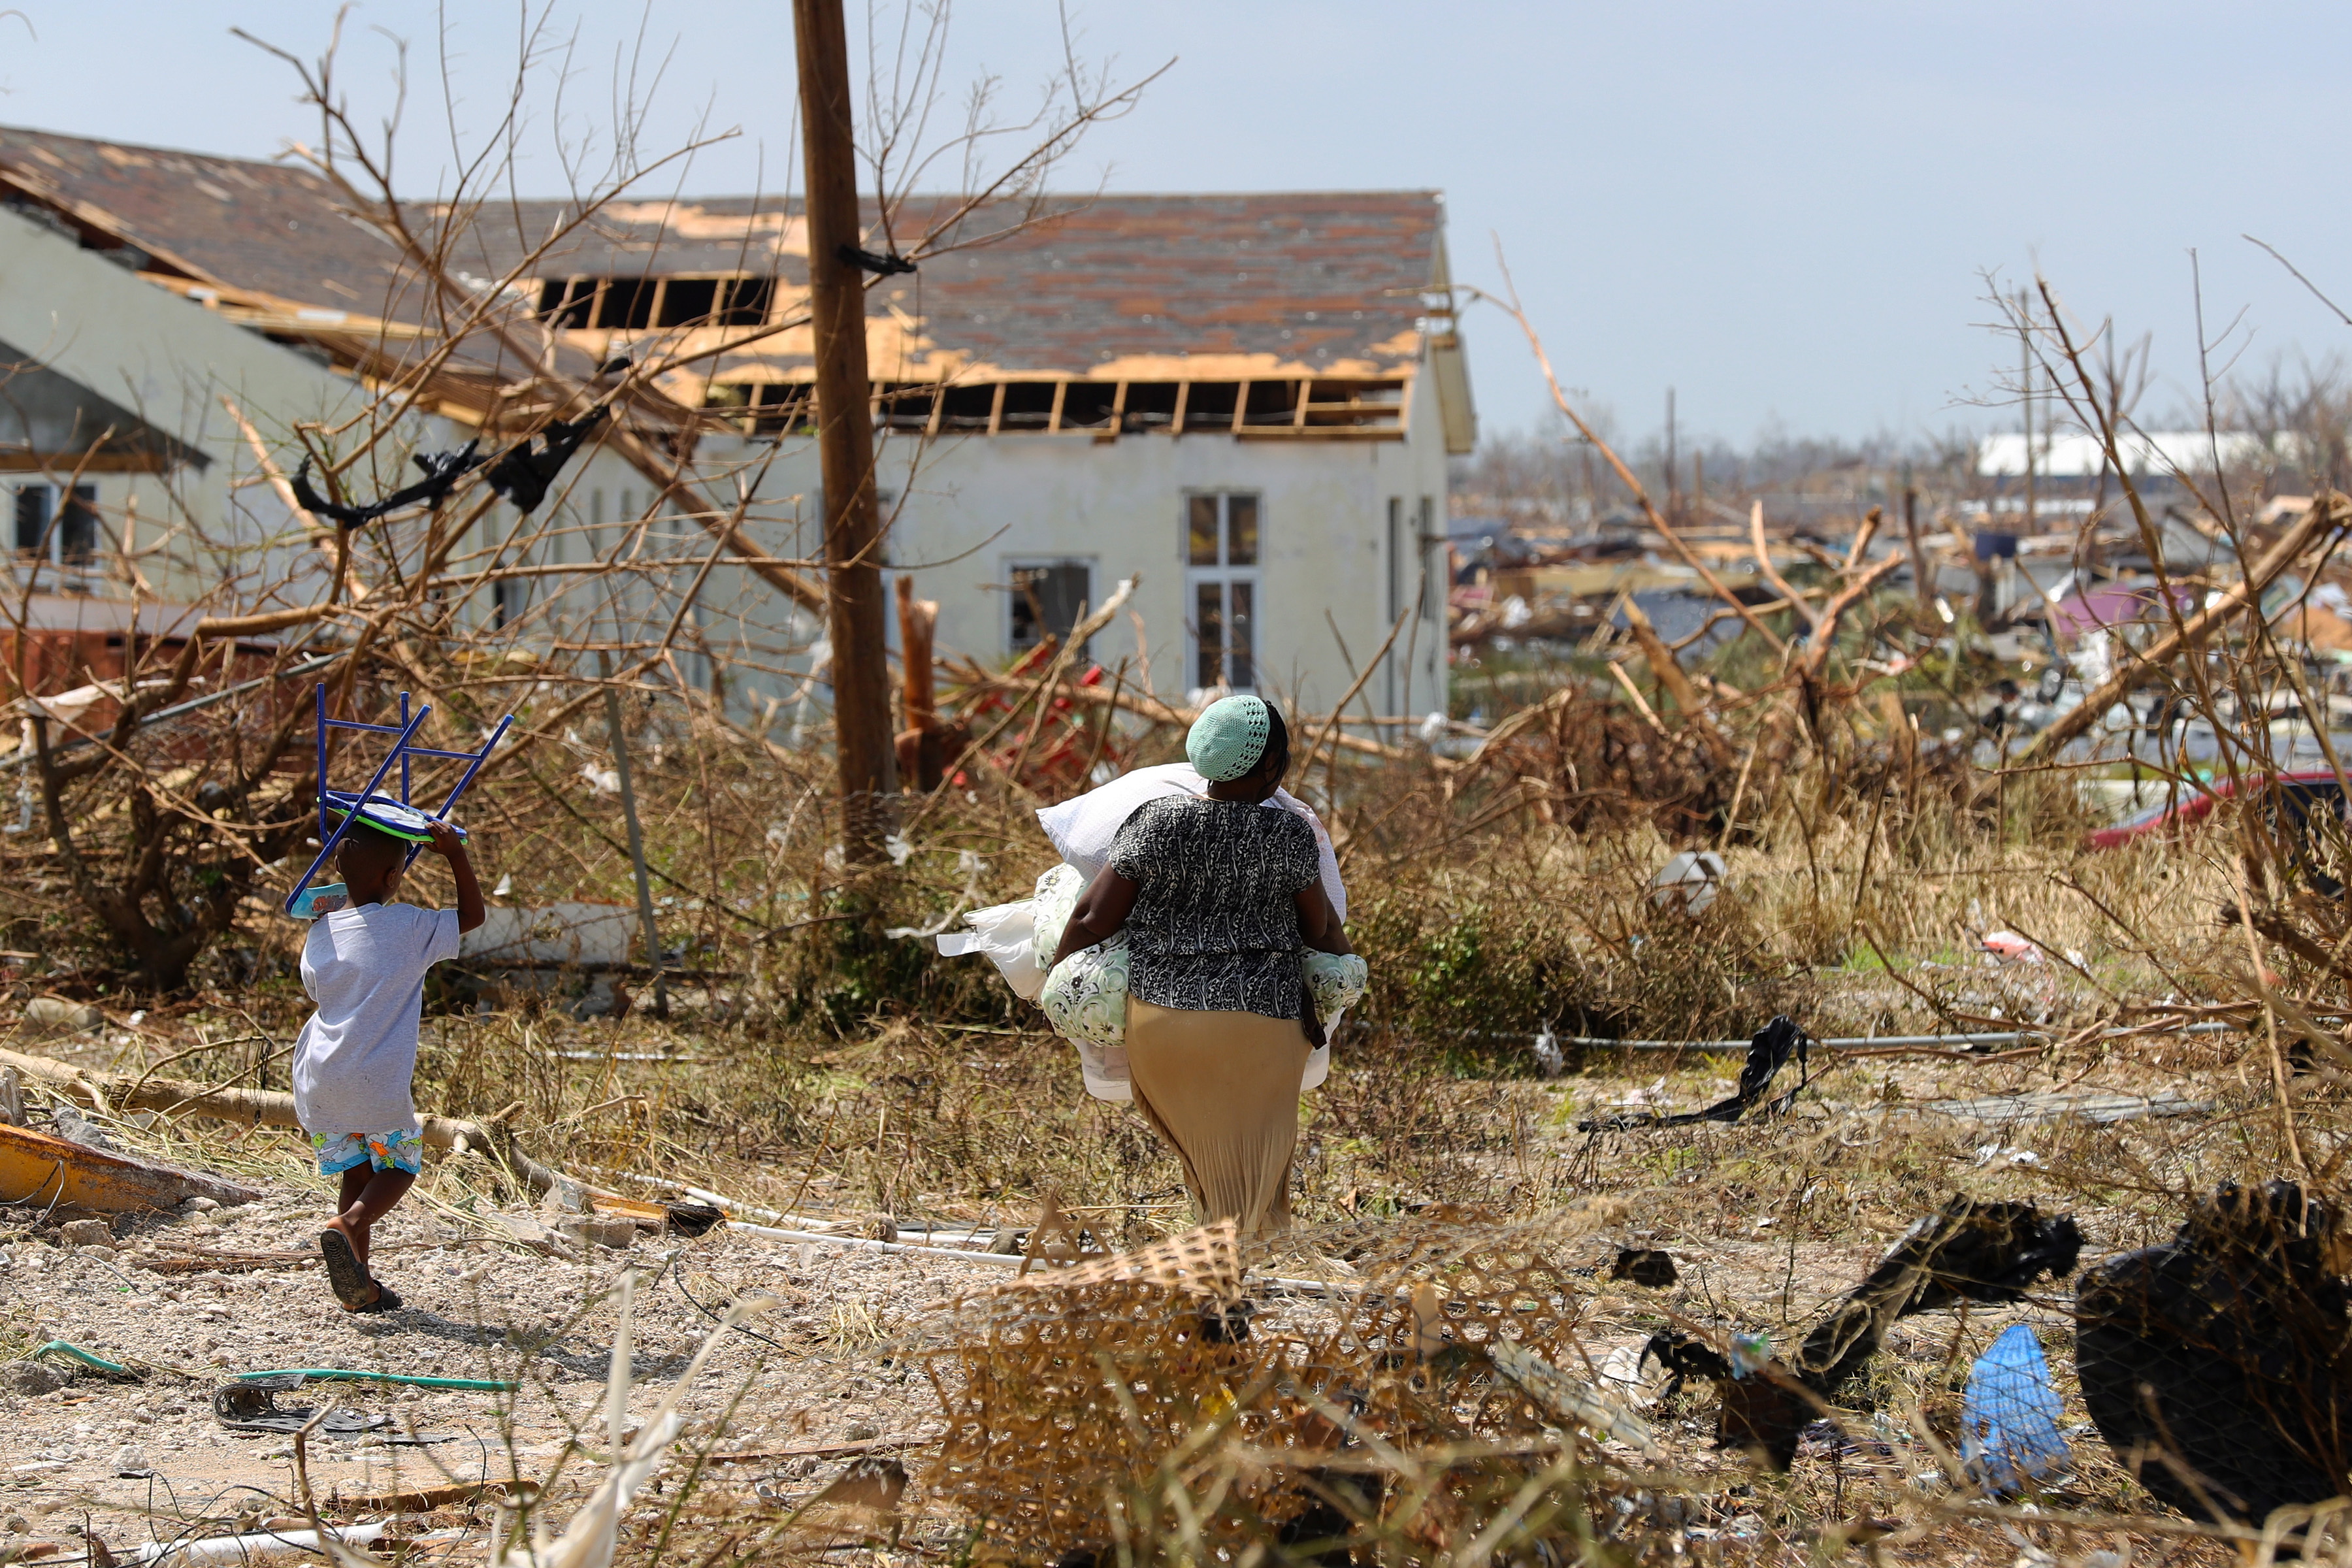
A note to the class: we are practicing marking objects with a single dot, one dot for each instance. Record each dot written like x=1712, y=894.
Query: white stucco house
x=1242, y=403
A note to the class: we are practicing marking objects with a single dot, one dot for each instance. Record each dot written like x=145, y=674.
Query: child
x=365, y=966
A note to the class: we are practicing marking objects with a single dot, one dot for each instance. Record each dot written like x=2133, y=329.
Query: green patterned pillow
x=1057, y=895
x=1086, y=996
x=1336, y=980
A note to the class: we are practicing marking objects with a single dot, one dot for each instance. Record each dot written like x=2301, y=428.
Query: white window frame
x=1224, y=576
x=1018, y=564
x=1394, y=558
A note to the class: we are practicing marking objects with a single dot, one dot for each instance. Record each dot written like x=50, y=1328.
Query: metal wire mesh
x=1074, y=1397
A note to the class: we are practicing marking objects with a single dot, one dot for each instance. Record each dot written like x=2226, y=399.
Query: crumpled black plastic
x=1768, y=1052
x=2216, y=1366
x=442, y=472
x=887, y=266
x=521, y=473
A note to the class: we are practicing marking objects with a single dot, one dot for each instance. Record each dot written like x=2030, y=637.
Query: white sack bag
x=1017, y=938
x=1082, y=828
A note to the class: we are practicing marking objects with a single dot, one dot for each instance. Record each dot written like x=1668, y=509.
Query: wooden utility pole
x=1673, y=483
x=1922, y=581
x=2025, y=394
x=845, y=434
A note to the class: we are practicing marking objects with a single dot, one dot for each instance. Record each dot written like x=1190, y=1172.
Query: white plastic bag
x=1003, y=933
x=1335, y=981
x=1084, y=998
x=1019, y=938
x=1058, y=891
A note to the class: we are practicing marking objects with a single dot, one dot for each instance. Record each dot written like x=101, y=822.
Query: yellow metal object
x=41, y=1169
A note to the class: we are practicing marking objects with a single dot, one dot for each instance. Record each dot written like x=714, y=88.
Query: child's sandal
x=346, y=1274
x=388, y=1300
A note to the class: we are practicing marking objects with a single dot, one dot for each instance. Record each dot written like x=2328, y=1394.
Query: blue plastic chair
x=351, y=806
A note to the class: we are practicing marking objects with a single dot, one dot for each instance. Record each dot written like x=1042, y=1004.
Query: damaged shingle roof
x=269, y=227
x=1325, y=283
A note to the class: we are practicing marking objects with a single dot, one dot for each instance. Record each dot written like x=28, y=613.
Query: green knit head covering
x=1229, y=738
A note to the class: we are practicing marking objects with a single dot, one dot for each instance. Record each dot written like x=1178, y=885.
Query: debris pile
x=1968, y=1250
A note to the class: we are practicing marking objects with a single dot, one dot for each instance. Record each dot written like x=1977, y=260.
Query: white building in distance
x=1242, y=403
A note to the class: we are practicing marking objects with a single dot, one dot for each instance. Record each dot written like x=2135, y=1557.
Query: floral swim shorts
x=341, y=1152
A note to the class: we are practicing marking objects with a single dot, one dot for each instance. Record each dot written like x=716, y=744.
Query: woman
x=1219, y=896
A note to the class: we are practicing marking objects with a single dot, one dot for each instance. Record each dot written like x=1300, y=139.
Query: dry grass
x=820, y=1067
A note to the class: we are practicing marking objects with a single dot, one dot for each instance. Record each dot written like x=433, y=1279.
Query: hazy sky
x=1783, y=211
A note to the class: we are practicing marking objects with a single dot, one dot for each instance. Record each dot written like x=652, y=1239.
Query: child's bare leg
x=365, y=1197
x=353, y=1184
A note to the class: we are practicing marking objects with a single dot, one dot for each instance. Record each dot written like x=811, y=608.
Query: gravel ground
x=820, y=1375
x=829, y=1370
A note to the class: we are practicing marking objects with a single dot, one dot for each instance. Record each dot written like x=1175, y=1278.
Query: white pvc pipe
x=870, y=1245
x=731, y=1207
x=1865, y=1042
x=237, y=1548
x=1289, y=1287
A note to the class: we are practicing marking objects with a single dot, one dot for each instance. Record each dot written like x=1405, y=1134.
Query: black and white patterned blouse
x=1215, y=927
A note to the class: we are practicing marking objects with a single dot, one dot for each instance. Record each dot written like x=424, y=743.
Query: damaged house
x=1244, y=403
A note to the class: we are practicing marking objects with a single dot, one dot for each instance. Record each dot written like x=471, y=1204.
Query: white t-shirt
x=356, y=1055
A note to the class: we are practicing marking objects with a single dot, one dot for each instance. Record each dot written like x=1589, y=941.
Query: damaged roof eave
x=1201, y=368
x=1449, y=367
x=98, y=220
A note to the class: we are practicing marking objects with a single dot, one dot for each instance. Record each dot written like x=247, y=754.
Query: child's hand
x=445, y=842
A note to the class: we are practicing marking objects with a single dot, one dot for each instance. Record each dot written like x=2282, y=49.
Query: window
x=1151, y=406
x=33, y=510
x=763, y=408
x=745, y=302
x=567, y=301
x=1221, y=558
x=686, y=302
x=1257, y=410
x=1430, y=549
x=510, y=596
x=1398, y=555
x=1272, y=403
x=1210, y=406
x=1087, y=405
x=1030, y=405
x=967, y=407
x=1048, y=597
x=905, y=405
x=70, y=539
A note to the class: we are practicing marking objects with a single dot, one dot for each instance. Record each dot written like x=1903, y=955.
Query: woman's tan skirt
x=1224, y=1089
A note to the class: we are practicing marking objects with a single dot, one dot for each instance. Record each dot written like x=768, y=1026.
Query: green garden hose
x=337, y=1375
x=86, y=1358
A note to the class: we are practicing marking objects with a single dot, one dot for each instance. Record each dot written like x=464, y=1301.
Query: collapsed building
x=1242, y=403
